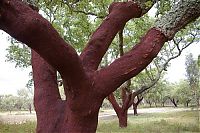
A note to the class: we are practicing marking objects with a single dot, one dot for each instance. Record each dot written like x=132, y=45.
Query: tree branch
x=164, y=67
x=83, y=12
x=182, y=13
x=47, y=100
x=114, y=103
x=132, y=62
x=46, y=91
x=142, y=54
x=120, y=13
x=27, y=26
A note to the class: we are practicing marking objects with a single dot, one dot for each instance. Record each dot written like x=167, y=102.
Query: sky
x=177, y=69
x=11, y=78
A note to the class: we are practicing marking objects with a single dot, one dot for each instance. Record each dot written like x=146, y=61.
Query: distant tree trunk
x=163, y=104
x=174, y=102
x=155, y=104
x=135, y=109
x=135, y=104
x=149, y=102
x=30, y=108
x=198, y=102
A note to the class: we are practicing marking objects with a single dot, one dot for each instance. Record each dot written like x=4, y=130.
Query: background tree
x=9, y=103
x=184, y=93
x=192, y=74
x=147, y=79
x=27, y=98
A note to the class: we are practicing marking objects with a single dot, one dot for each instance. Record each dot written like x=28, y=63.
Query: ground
x=18, y=117
x=149, y=120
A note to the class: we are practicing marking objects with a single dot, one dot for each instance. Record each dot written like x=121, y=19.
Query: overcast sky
x=12, y=79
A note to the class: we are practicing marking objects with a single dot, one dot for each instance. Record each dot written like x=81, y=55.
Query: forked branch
x=143, y=53
x=119, y=14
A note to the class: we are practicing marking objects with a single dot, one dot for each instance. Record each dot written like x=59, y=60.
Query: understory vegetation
x=171, y=122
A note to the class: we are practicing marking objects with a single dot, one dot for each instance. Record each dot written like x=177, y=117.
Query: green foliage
x=8, y=102
x=184, y=92
x=19, y=54
x=192, y=70
x=158, y=93
x=163, y=6
x=193, y=74
x=22, y=101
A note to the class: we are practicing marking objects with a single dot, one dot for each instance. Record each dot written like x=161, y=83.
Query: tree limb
x=114, y=103
x=27, y=26
x=46, y=90
x=132, y=62
x=120, y=13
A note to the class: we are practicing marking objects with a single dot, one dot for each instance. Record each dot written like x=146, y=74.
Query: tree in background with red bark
x=133, y=91
x=85, y=85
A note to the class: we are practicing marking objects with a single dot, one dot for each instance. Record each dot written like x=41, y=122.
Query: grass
x=176, y=122
x=28, y=127
x=173, y=122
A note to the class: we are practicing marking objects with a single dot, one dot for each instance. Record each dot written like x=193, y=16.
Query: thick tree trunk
x=123, y=118
x=55, y=115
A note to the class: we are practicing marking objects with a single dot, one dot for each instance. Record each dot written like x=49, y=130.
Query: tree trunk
x=155, y=104
x=122, y=116
x=30, y=109
x=135, y=105
x=187, y=104
x=163, y=104
x=198, y=102
x=175, y=105
x=174, y=102
x=135, y=109
x=120, y=111
x=77, y=114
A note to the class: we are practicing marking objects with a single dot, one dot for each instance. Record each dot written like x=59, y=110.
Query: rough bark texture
x=85, y=86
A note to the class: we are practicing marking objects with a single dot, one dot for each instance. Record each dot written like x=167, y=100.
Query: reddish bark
x=131, y=63
x=85, y=86
x=120, y=111
x=119, y=14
